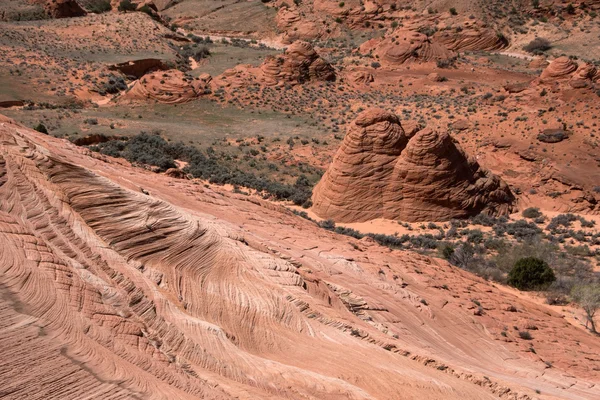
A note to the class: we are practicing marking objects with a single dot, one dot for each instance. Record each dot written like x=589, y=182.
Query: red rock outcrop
x=404, y=46
x=381, y=172
x=471, y=36
x=434, y=179
x=171, y=87
x=361, y=77
x=298, y=64
x=559, y=69
x=297, y=27
x=110, y=291
x=584, y=76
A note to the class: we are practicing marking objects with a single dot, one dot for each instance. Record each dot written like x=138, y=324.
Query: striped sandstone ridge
x=380, y=171
x=564, y=70
x=169, y=87
x=472, y=36
x=405, y=46
x=177, y=292
x=559, y=69
x=298, y=64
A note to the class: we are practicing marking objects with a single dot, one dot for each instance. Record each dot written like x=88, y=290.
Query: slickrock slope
x=299, y=63
x=380, y=172
x=170, y=87
x=185, y=293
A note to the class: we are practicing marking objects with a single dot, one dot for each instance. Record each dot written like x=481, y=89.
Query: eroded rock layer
x=409, y=46
x=381, y=172
x=471, y=36
x=559, y=69
x=169, y=87
x=113, y=291
x=300, y=63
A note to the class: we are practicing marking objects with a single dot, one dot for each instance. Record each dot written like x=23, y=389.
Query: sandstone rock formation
x=584, y=76
x=381, y=172
x=298, y=64
x=564, y=72
x=410, y=46
x=171, y=87
x=559, y=69
x=296, y=27
x=362, y=77
x=110, y=291
x=471, y=36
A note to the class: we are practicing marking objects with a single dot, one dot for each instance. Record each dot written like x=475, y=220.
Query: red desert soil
x=119, y=283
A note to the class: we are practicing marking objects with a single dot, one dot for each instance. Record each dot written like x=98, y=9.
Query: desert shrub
x=113, y=85
x=447, y=252
x=531, y=212
x=327, y=224
x=588, y=297
x=33, y=13
x=525, y=335
x=97, y=6
x=561, y=220
x=537, y=46
x=349, y=232
x=126, y=5
x=150, y=150
x=41, y=128
x=195, y=51
x=453, y=11
x=428, y=30
x=446, y=63
x=149, y=11
x=522, y=230
x=389, y=240
x=531, y=273
x=486, y=220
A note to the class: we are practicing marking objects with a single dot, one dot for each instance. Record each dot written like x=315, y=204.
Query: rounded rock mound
x=380, y=171
x=405, y=46
x=471, y=36
x=352, y=188
x=559, y=69
x=434, y=179
x=170, y=87
x=298, y=64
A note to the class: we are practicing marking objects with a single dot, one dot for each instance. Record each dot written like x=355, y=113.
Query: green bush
x=531, y=273
x=126, y=5
x=531, y=212
x=98, y=6
x=41, y=128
